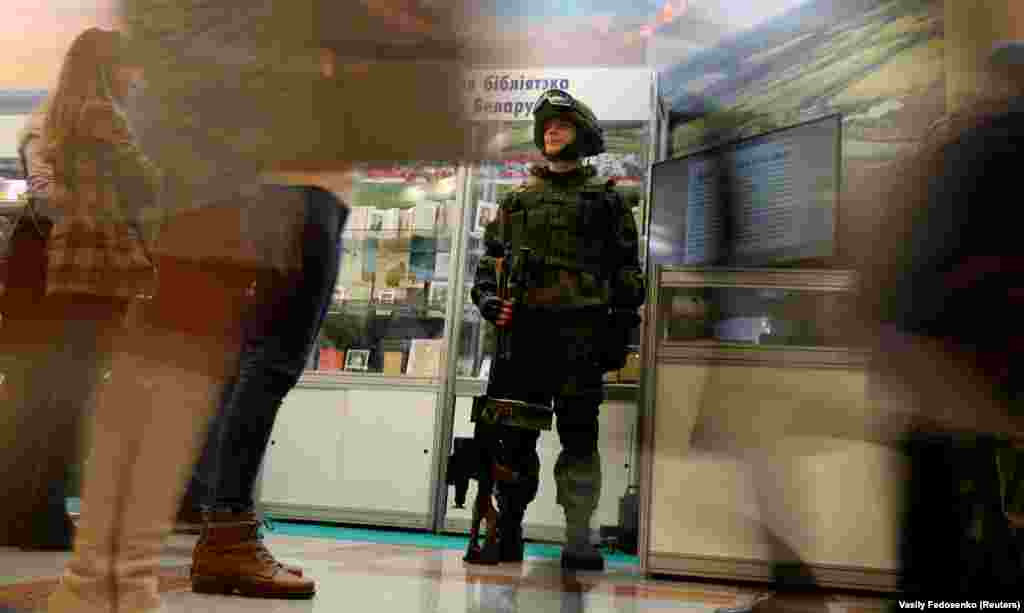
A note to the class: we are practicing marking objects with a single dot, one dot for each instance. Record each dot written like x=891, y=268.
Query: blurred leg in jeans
x=279, y=336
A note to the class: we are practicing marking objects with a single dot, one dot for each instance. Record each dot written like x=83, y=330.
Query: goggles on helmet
x=556, y=98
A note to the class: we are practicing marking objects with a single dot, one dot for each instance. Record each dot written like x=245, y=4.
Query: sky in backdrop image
x=661, y=34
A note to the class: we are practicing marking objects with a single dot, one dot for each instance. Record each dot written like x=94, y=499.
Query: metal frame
x=648, y=393
x=783, y=278
x=733, y=569
x=343, y=381
x=648, y=342
x=444, y=413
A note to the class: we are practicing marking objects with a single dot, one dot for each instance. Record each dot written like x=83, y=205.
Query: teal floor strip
x=413, y=539
x=421, y=539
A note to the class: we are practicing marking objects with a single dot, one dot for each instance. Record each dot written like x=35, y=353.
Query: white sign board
x=614, y=94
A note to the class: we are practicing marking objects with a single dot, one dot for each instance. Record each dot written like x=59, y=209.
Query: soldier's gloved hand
x=496, y=311
x=616, y=346
x=625, y=319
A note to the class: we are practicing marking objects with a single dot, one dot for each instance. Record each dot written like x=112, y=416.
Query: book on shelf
x=391, y=221
x=392, y=268
x=424, y=217
x=384, y=223
x=486, y=213
x=358, y=221
x=331, y=359
x=425, y=357
x=406, y=222
x=442, y=262
x=393, y=363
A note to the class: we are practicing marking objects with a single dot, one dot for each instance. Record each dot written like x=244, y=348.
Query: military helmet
x=589, y=135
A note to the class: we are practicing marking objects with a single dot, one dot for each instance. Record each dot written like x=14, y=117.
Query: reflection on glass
x=391, y=298
x=757, y=316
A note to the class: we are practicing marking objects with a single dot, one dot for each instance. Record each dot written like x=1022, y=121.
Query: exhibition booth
x=365, y=437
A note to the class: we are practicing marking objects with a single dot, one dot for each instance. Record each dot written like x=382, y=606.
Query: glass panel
x=477, y=341
x=750, y=316
x=391, y=298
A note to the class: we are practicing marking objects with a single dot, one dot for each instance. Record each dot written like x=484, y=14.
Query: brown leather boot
x=189, y=520
x=231, y=557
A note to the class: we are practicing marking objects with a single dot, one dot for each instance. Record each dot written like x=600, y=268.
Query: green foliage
x=342, y=330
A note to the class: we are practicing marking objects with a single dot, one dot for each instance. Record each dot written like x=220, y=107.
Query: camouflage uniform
x=584, y=286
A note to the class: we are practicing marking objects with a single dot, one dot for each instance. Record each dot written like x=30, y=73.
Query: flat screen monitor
x=782, y=188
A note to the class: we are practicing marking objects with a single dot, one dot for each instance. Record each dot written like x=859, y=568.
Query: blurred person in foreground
x=101, y=275
x=42, y=444
x=939, y=292
x=77, y=262
x=227, y=99
x=945, y=287
x=280, y=331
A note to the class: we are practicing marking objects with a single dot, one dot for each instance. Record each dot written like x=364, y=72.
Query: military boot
x=513, y=498
x=510, y=543
x=189, y=519
x=579, y=553
x=510, y=535
x=579, y=489
x=231, y=557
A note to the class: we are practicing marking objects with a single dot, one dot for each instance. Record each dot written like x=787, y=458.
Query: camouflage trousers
x=555, y=362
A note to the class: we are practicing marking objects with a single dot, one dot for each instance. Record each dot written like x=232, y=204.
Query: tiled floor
x=384, y=578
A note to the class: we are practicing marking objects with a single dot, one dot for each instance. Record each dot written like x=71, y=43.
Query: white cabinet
x=366, y=455
x=302, y=465
x=388, y=450
x=353, y=456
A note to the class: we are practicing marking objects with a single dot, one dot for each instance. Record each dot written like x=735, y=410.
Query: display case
x=755, y=387
x=391, y=301
x=757, y=397
x=403, y=350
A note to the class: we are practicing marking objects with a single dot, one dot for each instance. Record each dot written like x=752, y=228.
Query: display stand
x=763, y=453
x=371, y=447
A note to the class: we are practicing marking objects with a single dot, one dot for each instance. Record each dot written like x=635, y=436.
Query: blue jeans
x=278, y=339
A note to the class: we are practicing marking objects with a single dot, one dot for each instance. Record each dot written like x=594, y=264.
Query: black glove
x=624, y=319
x=616, y=346
x=491, y=308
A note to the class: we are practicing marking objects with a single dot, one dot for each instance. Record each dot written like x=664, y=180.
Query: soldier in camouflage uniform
x=584, y=288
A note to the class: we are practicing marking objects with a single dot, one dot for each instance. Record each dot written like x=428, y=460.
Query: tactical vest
x=570, y=232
